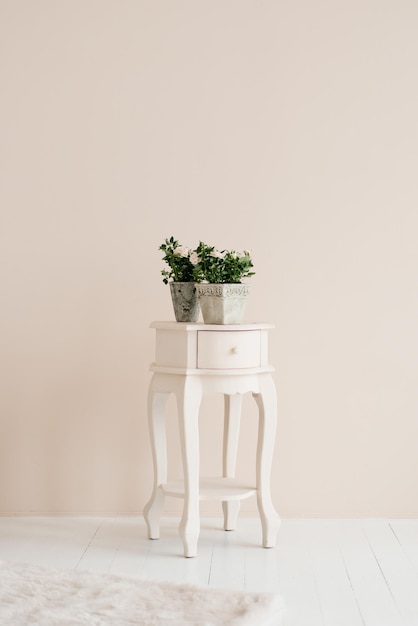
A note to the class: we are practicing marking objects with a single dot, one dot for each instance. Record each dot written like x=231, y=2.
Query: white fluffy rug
x=35, y=596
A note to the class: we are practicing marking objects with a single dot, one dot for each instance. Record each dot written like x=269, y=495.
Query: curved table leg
x=267, y=405
x=188, y=402
x=232, y=423
x=156, y=415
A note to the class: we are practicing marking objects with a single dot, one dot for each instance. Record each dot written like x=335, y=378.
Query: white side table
x=192, y=360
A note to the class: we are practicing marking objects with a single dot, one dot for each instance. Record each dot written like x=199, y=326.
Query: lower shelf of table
x=213, y=489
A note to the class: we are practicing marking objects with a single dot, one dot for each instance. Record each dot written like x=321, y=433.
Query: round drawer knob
x=234, y=350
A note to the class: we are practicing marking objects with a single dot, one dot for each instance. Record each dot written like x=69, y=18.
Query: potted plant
x=180, y=277
x=219, y=273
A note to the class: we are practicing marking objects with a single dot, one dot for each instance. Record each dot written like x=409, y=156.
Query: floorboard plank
x=297, y=581
x=374, y=597
x=406, y=533
x=336, y=595
x=397, y=570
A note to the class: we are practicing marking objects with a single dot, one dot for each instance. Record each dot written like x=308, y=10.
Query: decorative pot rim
x=223, y=290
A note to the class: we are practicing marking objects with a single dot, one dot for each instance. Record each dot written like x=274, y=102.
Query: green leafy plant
x=177, y=257
x=220, y=266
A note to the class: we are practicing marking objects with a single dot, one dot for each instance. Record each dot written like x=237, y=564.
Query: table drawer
x=228, y=349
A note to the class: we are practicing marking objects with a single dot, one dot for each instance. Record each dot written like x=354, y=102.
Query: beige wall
x=289, y=127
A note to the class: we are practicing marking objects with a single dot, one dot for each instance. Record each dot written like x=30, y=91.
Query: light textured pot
x=222, y=303
x=185, y=301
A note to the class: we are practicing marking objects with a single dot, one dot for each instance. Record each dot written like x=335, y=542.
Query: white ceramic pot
x=222, y=303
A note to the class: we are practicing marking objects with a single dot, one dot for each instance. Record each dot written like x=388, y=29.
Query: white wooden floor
x=330, y=572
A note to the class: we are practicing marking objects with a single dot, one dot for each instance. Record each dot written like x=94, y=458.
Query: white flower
x=217, y=254
x=181, y=251
x=194, y=258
